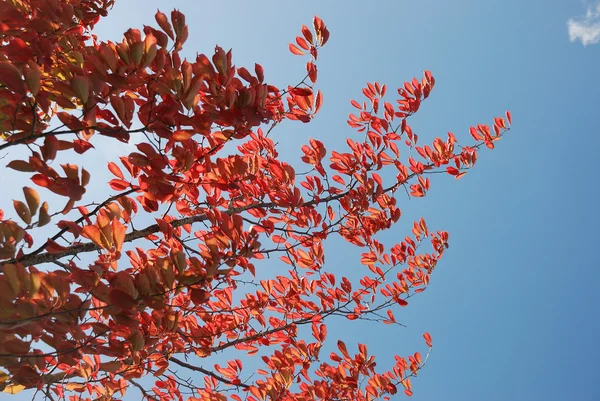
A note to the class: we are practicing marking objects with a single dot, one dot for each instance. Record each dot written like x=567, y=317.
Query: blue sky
x=511, y=307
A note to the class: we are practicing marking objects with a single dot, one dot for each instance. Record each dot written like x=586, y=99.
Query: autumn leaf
x=178, y=243
x=95, y=234
x=81, y=87
x=20, y=165
x=44, y=217
x=53, y=247
x=10, y=272
x=33, y=78
x=427, y=338
x=295, y=50
x=33, y=199
x=13, y=388
x=182, y=135
x=122, y=298
x=118, y=234
x=11, y=77
x=22, y=211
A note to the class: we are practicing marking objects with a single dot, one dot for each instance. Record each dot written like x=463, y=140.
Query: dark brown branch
x=206, y=372
x=57, y=353
x=33, y=259
x=79, y=220
x=30, y=138
x=144, y=392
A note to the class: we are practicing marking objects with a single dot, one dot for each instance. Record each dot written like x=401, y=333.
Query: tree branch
x=30, y=138
x=35, y=259
x=79, y=220
x=207, y=372
x=144, y=392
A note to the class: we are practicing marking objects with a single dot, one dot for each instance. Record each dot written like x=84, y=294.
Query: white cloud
x=586, y=28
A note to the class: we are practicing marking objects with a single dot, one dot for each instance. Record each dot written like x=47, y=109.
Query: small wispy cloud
x=586, y=28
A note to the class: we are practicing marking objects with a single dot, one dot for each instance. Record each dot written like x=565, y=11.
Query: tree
x=163, y=273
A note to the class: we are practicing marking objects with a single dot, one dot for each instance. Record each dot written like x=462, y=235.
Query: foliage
x=103, y=302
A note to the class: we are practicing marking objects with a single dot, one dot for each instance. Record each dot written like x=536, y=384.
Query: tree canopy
x=136, y=291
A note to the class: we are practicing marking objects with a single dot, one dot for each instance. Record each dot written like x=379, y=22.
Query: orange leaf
x=182, y=135
x=22, y=211
x=115, y=170
x=118, y=234
x=10, y=272
x=13, y=388
x=33, y=199
x=93, y=233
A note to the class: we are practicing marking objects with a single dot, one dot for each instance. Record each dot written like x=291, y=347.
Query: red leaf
x=70, y=121
x=294, y=49
x=199, y=296
x=302, y=43
x=163, y=22
x=307, y=34
x=452, y=170
x=21, y=165
x=260, y=72
x=93, y=233
x=81, y=146
x=118, y=185
x=53, y=247
x=301, y=91
x=11, y=77
x=342, y=348
x=122, y=298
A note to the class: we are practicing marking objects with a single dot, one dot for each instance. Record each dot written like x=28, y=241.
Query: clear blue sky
x=513, y=307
